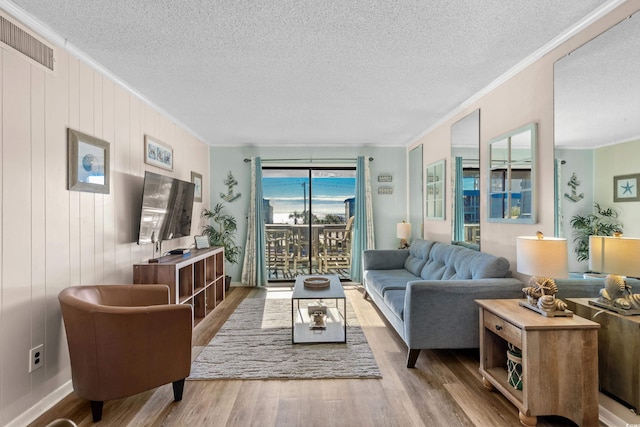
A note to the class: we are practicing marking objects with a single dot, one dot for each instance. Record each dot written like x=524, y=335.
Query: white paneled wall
x=52, y=238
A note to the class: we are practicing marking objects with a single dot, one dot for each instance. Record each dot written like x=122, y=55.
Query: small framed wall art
x=196, y=178
x=158, y=153
x=88, y=163
x=625, y=188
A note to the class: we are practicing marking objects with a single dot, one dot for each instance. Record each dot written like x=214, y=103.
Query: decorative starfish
x=627, y=188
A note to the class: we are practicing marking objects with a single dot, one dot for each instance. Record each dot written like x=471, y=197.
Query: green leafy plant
x=601, y=223
x=222, y=232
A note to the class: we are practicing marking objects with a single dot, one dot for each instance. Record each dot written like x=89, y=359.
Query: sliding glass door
x=308, y=220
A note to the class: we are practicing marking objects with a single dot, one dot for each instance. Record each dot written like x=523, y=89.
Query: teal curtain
x=254, y=271
x=458, y=206
x=363, y=237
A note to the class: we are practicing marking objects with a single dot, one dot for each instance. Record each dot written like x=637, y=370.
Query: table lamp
x=619, y=256
x=403, y=232
x=543, y=258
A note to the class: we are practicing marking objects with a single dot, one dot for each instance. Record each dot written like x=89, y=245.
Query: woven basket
x=514, y=367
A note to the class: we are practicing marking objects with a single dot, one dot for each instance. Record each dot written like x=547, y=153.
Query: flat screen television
x=167, y=208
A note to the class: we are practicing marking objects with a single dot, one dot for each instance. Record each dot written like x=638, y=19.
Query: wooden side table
x=618, y=349
x=559, y=361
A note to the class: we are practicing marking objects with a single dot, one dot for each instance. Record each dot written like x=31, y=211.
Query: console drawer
x=503, y=329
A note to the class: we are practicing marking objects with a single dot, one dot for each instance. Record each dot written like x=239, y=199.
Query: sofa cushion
x=436, y=266
x=381, y=281
x=394, y=299
x=418, y=253
x=450, y=262
x=482, y=265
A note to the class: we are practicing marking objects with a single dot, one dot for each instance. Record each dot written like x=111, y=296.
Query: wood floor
x=444, y=389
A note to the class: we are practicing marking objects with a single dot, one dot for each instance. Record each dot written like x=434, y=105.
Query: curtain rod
x=310, y=160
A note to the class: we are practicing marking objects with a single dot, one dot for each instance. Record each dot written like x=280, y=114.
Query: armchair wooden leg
x=178, y=387
x=412, y=357
x=96, y=410
x=365, y=294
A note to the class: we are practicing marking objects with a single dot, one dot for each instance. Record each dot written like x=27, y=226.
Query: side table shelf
x=196, y=278
x=559, y=361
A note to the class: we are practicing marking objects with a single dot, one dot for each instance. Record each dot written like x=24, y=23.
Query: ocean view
x=288, y=194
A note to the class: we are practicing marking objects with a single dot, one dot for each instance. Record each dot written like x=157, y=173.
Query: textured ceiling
x=308, y=72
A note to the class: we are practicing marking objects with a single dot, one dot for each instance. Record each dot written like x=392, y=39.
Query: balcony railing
x=291, y=251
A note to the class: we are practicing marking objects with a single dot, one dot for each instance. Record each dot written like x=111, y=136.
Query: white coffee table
x=335, y=330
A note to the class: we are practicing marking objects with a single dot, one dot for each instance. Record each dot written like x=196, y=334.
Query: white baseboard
x=43, y=406
x=610, y=419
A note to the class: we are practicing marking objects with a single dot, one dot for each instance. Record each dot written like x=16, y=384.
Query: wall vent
x=21, y=40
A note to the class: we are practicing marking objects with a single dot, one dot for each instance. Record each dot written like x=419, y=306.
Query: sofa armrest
x=444, y=314
x=384, y=259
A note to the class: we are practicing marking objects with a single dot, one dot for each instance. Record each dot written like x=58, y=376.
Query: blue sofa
x=428, y=293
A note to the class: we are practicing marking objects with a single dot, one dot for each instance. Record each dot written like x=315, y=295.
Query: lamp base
x=404, y=244
x=602, y=303
x=557, y=313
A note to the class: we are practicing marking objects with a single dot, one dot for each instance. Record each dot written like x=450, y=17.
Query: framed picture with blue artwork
x=158, y=153
x=625, y=188
x=88, y=163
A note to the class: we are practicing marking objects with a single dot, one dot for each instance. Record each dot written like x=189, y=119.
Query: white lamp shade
x=615, y=255
x=546, y=257
x=403, y=230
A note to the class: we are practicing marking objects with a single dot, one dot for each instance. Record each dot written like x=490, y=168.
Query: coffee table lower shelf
x=334, y=332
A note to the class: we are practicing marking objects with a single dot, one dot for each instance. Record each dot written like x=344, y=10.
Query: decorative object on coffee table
x=317, y=315
x=316, y=282
x=543, y=258
x=617, y=256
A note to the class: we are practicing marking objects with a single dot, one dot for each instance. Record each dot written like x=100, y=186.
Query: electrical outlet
x=36, y=357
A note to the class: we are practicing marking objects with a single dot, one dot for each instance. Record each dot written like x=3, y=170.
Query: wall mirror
x=597, y=128
x=416, y=213
x=434, y=190
x=465, y=179
x=512, y=176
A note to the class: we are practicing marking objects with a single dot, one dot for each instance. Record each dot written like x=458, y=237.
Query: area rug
x=255, y=343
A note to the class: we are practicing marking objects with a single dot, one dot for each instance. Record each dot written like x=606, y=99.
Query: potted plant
x=222, y=233
x=602, y=223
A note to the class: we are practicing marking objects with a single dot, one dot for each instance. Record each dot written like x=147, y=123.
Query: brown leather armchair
x=125, y=339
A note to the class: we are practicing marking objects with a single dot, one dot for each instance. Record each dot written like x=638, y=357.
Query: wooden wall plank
x=87, y=200
x=109, y=219
x=136, y=149
x=16, y=229
x=38, y=208
x=121, y=167
x=74, y=196
x=57, y=223
x=99, y=199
